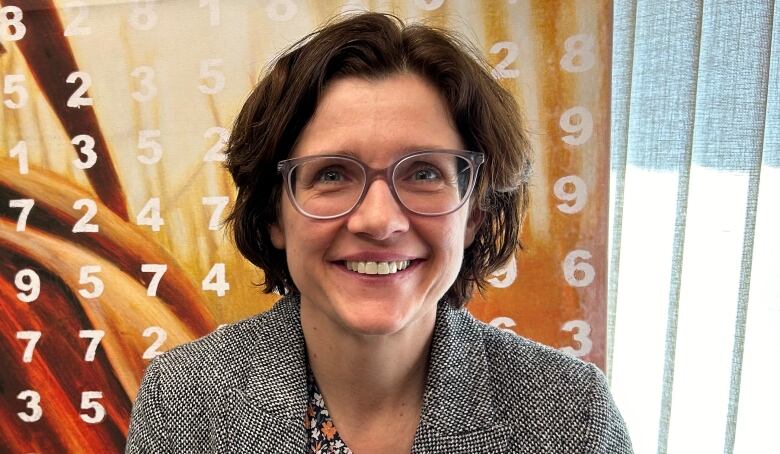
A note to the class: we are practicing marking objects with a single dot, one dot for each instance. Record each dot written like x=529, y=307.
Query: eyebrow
x=405, y=150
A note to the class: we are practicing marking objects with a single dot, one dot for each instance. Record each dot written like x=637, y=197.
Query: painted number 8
x=11, y=26
x=579, y=56
x=144, y=16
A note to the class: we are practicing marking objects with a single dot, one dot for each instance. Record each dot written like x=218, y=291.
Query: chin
x=375, y=323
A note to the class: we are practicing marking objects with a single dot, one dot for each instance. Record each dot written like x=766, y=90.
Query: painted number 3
x=92, y=412
x=580, y=330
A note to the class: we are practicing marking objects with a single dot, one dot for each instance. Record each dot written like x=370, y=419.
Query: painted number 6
x=576, y=271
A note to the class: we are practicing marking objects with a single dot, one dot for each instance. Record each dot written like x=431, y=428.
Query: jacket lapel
x=264, y=412
x=458, y=414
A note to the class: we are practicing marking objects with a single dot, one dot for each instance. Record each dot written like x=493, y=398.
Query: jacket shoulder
x=219, y=351
x=184, y=389
x=522, y=357
x=557, y=398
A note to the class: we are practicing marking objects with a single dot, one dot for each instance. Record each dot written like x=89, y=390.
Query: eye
x=333, y=174
x=426, y=173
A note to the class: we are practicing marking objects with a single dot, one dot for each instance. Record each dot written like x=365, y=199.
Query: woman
x=381, y=177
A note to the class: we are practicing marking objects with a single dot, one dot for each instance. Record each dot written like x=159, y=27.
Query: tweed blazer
x=242, y=388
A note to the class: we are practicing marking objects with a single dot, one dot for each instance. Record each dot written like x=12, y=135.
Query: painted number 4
x=215, y=280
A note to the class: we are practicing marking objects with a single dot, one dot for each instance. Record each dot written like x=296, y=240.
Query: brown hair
x=374, y=46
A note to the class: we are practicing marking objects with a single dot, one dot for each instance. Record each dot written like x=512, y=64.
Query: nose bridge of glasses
x=375, y=175
x=387, y=175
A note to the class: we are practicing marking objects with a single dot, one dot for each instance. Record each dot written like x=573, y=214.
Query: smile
x=390, y=267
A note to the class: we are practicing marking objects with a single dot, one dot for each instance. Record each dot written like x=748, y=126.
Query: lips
x=377, y=267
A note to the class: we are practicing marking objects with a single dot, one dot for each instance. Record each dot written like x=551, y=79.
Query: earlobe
x=277, y=236
x=472, y=225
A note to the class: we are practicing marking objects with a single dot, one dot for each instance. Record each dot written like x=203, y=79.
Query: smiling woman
x=382, y=177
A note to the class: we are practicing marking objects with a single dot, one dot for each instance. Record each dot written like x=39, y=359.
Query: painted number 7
x=96, y=335
x=158, y=269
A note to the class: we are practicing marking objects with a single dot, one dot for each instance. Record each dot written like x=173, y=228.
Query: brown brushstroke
x=124, y=244
x=57, y=371
x=50, y=60
x=123, y=308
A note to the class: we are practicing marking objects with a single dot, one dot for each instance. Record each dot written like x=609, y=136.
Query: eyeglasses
x=428, y=183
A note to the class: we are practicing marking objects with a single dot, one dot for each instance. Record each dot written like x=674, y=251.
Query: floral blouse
x=323, y=437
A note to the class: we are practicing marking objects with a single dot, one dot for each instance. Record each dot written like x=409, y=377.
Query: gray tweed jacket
x=242, y=388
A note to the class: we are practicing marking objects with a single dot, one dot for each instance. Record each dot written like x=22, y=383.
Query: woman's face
x=377, y=122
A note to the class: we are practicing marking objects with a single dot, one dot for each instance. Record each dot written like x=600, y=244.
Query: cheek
x=308, y=242
x=447, y=237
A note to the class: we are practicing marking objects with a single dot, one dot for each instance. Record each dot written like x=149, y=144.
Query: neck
x=367, y=374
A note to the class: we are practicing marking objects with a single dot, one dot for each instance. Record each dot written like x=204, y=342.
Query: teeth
x=390, y=267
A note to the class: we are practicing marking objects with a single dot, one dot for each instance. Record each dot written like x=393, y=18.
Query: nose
x=379, y=216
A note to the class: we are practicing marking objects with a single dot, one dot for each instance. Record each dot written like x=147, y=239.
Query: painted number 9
x=29, y=284
x=578, y=122
x=504, y=324
x=505, y=276
x=573, y=192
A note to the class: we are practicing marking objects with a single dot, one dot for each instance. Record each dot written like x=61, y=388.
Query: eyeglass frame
x=285, y=167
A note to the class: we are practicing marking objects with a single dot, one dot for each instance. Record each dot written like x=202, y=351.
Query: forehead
x=378, y=119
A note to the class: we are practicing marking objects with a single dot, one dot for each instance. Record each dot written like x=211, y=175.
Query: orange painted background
x=114, y=113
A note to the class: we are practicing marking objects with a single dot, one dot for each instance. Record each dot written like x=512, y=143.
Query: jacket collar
x=458, y=413
x=458, y=401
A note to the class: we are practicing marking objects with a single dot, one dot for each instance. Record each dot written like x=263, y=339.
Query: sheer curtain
x=695, y=235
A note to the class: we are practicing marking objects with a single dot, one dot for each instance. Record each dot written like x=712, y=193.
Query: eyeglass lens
x=428, y=183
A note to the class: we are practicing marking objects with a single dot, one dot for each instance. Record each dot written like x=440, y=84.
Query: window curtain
x=694, y=327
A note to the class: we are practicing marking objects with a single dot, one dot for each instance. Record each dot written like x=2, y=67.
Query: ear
x=472, y=225
x=277, y=235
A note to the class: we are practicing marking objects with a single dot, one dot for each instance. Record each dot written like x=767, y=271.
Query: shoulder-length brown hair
x=375, y=46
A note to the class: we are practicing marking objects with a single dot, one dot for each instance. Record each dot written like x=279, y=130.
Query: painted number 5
x=89, y=402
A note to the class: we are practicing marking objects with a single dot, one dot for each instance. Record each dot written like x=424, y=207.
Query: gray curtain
x=694, y=328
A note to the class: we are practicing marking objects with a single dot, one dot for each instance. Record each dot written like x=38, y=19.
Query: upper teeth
x=378, y=267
